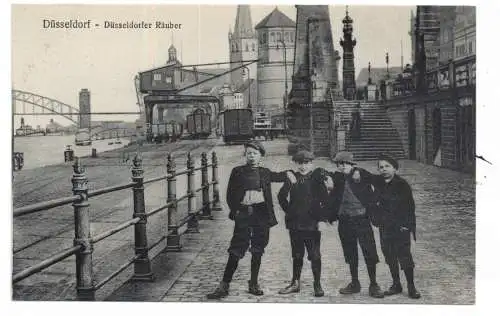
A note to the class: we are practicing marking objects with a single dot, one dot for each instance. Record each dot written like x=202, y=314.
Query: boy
x=396, y=213
x=354, y=199
x=302, y=215
x=251, y=208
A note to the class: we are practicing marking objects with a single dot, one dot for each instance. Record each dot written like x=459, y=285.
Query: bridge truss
x=24, y=103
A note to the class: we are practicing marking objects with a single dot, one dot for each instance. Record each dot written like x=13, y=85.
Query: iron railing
x=86, y=284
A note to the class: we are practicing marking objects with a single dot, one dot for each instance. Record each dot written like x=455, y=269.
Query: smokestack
x=402, y=66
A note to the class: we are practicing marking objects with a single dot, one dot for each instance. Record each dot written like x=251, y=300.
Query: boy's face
x=304, y=167
x=344, y=167
x=386, y=169
x=253, y=156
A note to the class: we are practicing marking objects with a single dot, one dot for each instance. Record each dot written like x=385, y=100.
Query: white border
x=487, y=274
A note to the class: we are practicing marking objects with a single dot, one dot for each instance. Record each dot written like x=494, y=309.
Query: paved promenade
x=444, y=251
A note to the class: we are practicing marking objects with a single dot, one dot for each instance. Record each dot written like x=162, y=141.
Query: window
x=471, y=47
x=246, y=47
x=292, y=37
x=157, y=76
x=253, y=47
x=272, y=37
x=279, y=36
x=287, y=36
x=264, y=38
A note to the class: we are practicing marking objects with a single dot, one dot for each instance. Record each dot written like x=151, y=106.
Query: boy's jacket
x=316, y=198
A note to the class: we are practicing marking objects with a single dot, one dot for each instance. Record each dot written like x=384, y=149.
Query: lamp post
x=387, y=64
x=249, y=83
x=285, y=103
x=369, y=73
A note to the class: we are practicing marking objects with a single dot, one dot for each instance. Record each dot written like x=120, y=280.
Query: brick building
x=438, y=126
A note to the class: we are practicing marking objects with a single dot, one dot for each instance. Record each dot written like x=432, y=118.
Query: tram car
x=163, y=132
x=236, y=125
x=267, y=127
x=198, y=124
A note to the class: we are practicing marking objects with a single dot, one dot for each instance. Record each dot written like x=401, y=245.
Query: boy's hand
x=329, y=183
x=356, y=176
x=291, y=177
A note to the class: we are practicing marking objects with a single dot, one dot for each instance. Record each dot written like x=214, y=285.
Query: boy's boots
x=254, y=288
x=294, y=287
x=221, y=291
x=318, y=290
x=412, y=291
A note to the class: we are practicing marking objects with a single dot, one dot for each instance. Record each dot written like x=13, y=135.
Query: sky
x=58, y=63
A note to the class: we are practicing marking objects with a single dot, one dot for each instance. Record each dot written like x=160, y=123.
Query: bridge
x=28, y=103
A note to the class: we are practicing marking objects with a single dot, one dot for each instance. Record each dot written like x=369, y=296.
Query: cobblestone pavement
x=444, y=251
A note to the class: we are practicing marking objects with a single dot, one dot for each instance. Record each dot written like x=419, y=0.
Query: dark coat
x=362, y=190
x=236, y=191
x=395, y=204
x=308, y=201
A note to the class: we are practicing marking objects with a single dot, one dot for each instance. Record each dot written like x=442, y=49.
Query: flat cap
x=256, y=145
x=389, y=159
x=303, y=156
x=344, y=156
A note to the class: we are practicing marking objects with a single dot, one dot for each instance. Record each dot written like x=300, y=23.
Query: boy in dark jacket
x=396, y=213
x=353, y=200
x=303, y=211
x=251, y=208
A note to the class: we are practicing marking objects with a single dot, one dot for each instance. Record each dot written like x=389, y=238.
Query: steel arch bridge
x=21, y=98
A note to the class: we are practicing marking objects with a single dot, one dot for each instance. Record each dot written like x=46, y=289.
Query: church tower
x=348, y=43
x=242, y=46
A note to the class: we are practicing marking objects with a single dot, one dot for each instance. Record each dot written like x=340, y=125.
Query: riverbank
x=46, y=151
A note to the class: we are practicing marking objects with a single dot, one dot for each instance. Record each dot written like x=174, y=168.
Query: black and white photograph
x=244, y=153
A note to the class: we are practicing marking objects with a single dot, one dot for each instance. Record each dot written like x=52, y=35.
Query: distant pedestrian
x=304, y=208
x=251, y=208
x=354, y=199
x=396, y=214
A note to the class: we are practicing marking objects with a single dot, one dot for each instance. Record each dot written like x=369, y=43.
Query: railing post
x=215, y=179
x=84, y=275
x=192, y=225
x=206, y=211
x=142, y=264
x=173, y=239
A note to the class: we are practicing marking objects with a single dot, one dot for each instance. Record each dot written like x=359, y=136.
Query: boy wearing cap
x=251, y=208
x=303, y=212
x=396, y=213
x=353, y=200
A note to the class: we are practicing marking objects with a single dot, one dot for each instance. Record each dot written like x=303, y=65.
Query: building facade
x=437, y=126
x=276, y=34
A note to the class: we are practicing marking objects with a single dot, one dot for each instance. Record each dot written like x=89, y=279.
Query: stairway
x=377, y=133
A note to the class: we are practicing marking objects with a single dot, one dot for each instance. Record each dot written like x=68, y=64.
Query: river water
x=42, y=151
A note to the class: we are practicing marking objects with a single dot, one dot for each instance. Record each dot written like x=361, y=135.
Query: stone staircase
x=377, y=133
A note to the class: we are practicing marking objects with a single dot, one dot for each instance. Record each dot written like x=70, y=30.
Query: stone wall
x=426, y=143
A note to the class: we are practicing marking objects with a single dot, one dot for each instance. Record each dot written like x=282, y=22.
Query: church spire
x=243, y=26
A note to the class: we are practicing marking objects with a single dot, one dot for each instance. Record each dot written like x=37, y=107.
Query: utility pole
x=285, y=100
